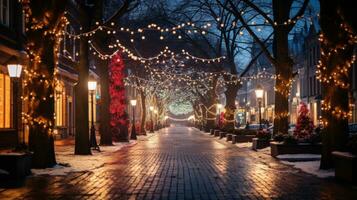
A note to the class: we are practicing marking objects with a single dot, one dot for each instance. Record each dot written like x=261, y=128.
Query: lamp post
x=14, y=69
x=151, y=122
x=165, y=118
x=259, y=92
x=133, y=131
x=219, y=107
x=92, y=86
x=156, y=125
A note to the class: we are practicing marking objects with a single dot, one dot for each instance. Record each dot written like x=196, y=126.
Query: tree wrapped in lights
x=338, y=44
x=44, y=25
x=119, y=118
x=304, y=126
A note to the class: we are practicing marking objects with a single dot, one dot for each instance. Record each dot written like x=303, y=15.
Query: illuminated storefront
x=5, y=101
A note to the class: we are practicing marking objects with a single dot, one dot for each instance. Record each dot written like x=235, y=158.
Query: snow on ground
x=266, y=150
x=311, y=167
x=244, y=145
x=68, y=162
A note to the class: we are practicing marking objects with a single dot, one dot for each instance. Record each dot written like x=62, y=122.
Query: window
x=60, y=105
x=5, y=101
x=4, y=12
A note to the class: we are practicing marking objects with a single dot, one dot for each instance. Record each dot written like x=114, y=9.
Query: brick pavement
x=182, y=163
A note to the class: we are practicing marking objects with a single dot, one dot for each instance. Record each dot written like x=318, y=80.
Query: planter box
x=17, y=164
x=244, y=138
x=234, y=139
x=278, y=148
x=222, y=134
x=259, y=143
x=345, y=166
x=216, y=133
x=229, y=137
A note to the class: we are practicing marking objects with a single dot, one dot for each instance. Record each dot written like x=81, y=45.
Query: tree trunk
x=42, y=48
x=143, y=112
x=105, y=132
x=41, y=136
x=82, y=145
x=337, y=20
x=229, y=119
x=283, y=66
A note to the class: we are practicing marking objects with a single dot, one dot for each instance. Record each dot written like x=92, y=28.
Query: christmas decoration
x=119, y=118
x=304, y=126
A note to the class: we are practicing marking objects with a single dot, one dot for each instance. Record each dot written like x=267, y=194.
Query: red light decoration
x=119, y=117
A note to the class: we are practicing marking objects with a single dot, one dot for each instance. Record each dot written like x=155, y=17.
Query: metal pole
x=92, y=110
x=219, y=118
x=93, y=139
x=133, y=131
x=260, y=113
x=151, y=123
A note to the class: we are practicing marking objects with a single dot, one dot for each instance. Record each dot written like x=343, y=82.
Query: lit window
x=5, y=101
x=60, y=108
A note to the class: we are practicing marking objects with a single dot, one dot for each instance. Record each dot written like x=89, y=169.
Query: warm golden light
x=92, y=85
x=259, y=92
x=133, y=102
x=14, y=70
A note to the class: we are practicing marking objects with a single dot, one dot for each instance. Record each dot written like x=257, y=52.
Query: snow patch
x=4, y=172
x=68, y=162
x=311, y=167
x=244, y=145
x=286, y=156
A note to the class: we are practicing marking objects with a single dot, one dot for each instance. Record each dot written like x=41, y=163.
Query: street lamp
x=133, y=131
x=259, y=92
x=14, y=69
x=165, y=118
x=219, y=107
x=92, y=86
x=151, y=122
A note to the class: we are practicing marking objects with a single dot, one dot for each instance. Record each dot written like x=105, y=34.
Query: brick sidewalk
x=181, y=163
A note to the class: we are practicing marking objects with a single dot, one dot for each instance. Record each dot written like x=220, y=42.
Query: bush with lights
x=304, y=126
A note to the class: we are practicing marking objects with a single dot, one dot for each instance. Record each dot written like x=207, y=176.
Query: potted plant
x=346, y=162
x=244, y=135
x=261, y=140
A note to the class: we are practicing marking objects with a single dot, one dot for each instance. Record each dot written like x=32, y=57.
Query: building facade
x=11, y=49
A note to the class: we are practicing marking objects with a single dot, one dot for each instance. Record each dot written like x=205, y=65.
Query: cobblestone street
x=183, y=163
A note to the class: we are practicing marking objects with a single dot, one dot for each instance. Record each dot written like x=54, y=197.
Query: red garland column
x=119, y=118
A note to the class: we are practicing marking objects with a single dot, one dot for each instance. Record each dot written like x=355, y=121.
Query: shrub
x=245, y=132
x=289, y=139
x=315, y=138
x=304, y=126
x=279, y=137
x=263, y=134
x=352, y=144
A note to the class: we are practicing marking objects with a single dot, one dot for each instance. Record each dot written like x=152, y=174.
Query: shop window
x=5, y=101
x=60, y=105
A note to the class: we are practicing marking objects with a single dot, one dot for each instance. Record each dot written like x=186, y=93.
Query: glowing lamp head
x=259, y=92
x=92, y=85
x=166, y=117
x=151, y=108
x=219, y=106
x=133, y=102
x=155, y=111
x=14, y=69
